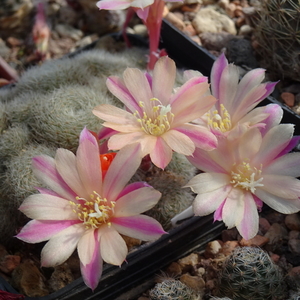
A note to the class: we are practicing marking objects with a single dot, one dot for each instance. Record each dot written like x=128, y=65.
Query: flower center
x=158, y=122
x=94, y=211
x=246, y=177
x=219, y=120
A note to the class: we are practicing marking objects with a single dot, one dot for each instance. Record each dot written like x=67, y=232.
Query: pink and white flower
x=232, y=114
x=156, y=117
x=244, y=173
x=85, y=210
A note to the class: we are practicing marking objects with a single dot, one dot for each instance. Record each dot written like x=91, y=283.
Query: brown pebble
x=294, y=234
x=29, y=280
x=240, y=21
x=293, y=278
x=174, y=269
x=229, y=234
x=238, y=12
x=294, y=246
x=9, y=262
x=190, y=260
x=61, y=277
x=228, y=247
x=212, y=249
x=275, y=257
x=196, y=39
x=174, y=20
x=264, y=225
x=292, y=222
x=190, y=30
x=258, y=240
x=288, y=98
x=191, y=7
x=195, y=282
x=14, y=42
x=230, y=9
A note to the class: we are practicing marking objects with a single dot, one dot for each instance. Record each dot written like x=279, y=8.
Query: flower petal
x=248, y=227
x=288, y=165
x=86, y=246
x=66, y=165
x=118, y=88
x=45, y=170
x=274, y=141
x=87, y=135
x=179, y=142
x=122, y=168
x=200, y=135
x=141, y=227
x=92, y=271
x=228, y=87
x=89, y=166
x=161, y=155
x=282, y=186
x=275, y=115
x=206, y=203
x=120, y=140
x=115, y=116
x=234, y=207
x=202, y=160
x=112, y=246
x=136, y=202
x=112, y=5
x=138, y=85
x=216, y=73
x=208, y=182
x=36, y=231
x=163, y=79
x=285, y=206
x=60, y=247
x=47, y=207
x=132, y=187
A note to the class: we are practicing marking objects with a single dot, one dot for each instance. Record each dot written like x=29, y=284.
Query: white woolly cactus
x=16, y=183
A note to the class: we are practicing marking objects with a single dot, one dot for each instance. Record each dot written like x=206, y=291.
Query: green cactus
x=278, y=35
x=249, y=273
x=172, y=289
x=169, y=182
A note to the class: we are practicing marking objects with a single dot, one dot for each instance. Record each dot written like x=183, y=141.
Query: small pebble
x=292, y=222
x=194, y=282
x=258, y=240
x=288, y=98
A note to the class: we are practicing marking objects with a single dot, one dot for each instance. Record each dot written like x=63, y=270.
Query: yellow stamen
x=219, y=120
x=93, y=213
x=158, y=122
x=246, y=177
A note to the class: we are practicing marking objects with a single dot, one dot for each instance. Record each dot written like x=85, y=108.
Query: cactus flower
x=244, y=173
x=155, y=117
x=84, y=210
x=232, y=116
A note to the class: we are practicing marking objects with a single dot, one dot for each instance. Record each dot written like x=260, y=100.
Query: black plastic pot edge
x=147, y=260
x=190, y=55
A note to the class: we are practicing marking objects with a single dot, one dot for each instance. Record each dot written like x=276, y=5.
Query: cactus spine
x=249, y=273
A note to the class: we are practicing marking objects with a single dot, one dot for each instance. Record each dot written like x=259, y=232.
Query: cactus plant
x=278, y=35
x=249, y=273
x=48, y=107
x=172, y=289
